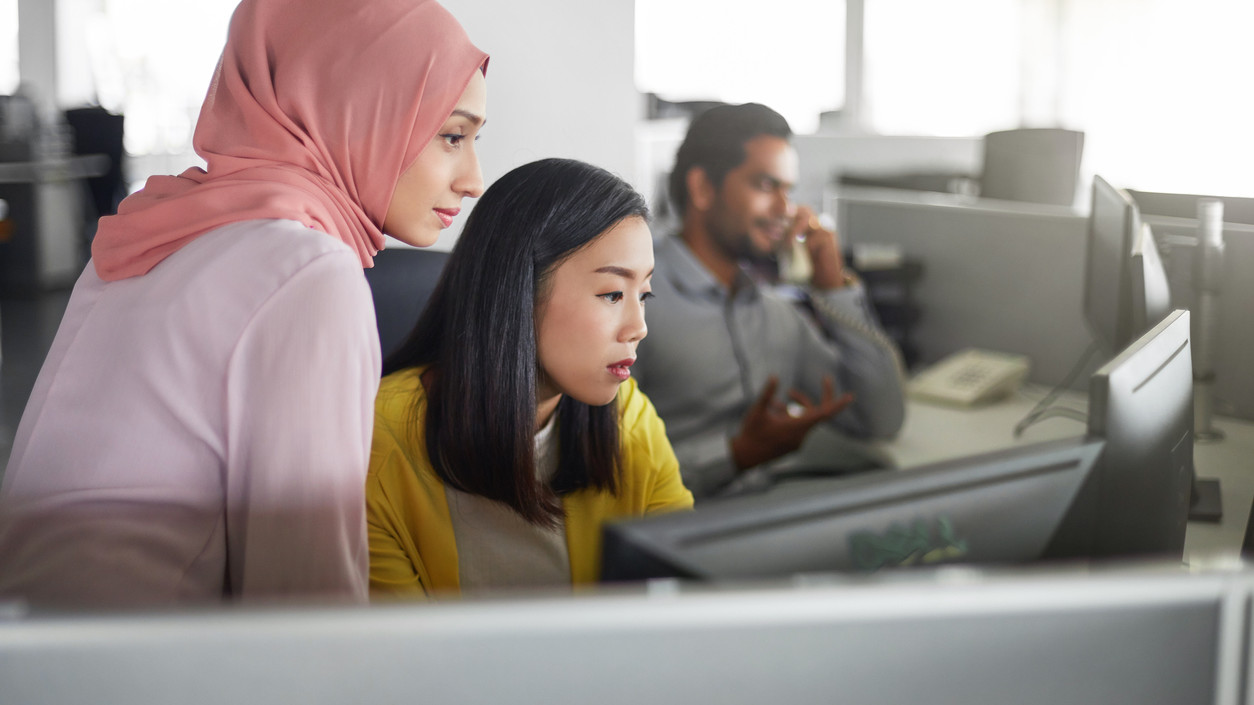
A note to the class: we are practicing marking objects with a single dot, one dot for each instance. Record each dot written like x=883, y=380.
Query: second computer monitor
x=1141, y=404
x=1125, y=290
x=1150, y=295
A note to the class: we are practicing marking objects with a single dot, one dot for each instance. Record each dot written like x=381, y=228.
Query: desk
x=42, y=246
x=933, y=433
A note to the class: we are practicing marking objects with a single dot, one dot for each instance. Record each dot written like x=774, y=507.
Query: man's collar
x=690, y=274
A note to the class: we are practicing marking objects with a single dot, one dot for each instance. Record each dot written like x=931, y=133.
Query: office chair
x=97, y=131
x=1037, y=165
x=401, y=281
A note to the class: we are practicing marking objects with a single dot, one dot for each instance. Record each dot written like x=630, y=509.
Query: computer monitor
x=1141, y=403
x=1125, y=281
x=1150, y=292
x=1128, y=636
x=1122, y=491
x=1012, y=506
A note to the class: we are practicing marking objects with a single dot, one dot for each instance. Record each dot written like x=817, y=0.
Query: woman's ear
x=700, y=189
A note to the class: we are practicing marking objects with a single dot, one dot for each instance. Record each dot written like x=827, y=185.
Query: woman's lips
x=446, y=215
x=621, y=369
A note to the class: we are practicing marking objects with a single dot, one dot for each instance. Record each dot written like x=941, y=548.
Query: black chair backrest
x=401, y=281
x=98, y=131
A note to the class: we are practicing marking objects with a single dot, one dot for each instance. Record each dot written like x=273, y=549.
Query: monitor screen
x=1114, y=223
x=1141, y=404
x=1011, y=506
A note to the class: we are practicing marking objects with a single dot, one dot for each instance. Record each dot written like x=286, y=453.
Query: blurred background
x=1155, y=85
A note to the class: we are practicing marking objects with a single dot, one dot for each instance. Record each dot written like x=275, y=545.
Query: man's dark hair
x=478, y=335
x=716, y=143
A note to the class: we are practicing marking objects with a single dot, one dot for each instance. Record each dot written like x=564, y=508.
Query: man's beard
x=738, y=245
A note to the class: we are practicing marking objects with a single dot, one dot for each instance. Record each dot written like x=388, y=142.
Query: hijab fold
x=315, y=109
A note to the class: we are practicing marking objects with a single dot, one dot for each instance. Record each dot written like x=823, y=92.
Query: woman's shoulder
x=252, y=259
x=400, y=395
x=400, y=410
x=273, y=236
x=635, y=411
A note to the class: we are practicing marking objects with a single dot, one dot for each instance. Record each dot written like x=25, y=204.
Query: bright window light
x=8, y=47
x=1162, y=90
x=788, y=54
x=942, y=68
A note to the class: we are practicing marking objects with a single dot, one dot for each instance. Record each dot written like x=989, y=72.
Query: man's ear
x=701, y=191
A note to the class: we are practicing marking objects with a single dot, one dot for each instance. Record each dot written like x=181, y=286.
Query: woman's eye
x=612, y=297
x=646, y=296
x=452, y=139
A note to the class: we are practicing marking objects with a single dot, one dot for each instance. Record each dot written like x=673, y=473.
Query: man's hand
x=771, y=429
x=823, y=247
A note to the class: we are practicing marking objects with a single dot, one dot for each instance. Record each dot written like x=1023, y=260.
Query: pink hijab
x=315, y=110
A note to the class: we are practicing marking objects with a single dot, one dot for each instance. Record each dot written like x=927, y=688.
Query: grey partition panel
x=1001, y=276
x=1234, y=375
x=1184, y=205
x=1152, y=639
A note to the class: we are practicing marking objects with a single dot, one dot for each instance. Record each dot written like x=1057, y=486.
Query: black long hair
x=478, y=334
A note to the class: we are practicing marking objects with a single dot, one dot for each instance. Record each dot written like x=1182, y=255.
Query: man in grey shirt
x=740, y=372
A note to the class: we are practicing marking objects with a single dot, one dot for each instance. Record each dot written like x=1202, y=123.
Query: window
x=1161, y=89
x=152, y=60
x=941, y=68
x=788, y=54
x=1157, y=86
x=8, y=46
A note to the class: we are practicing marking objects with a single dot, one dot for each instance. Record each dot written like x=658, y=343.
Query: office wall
x=560, y=83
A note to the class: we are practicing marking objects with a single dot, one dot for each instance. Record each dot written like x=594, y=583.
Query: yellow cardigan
x=412, y=547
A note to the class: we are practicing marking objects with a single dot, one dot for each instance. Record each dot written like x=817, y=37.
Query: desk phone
x=970, y=377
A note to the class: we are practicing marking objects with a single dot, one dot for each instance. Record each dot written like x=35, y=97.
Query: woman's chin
x=598, y=399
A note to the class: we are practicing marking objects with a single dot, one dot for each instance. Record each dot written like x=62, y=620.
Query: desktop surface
x=934, y=432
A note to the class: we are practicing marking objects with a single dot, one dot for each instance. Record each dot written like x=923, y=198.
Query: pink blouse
x=200, y=430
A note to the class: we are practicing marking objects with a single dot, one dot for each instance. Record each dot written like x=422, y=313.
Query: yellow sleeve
x=396, y=568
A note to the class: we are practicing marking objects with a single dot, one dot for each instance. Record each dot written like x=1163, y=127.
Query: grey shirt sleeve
x=868, y=362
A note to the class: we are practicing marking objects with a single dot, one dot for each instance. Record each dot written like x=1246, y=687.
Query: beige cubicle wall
x=1009, y=276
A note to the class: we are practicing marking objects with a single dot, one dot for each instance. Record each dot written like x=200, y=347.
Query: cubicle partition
x=1149, y=635
x=997, y=275
x=1010, y=277
x=1234, y=343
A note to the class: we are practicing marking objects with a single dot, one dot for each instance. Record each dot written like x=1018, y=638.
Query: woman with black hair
x=497, y=451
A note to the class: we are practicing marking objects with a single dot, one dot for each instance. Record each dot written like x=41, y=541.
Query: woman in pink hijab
x=201, y=426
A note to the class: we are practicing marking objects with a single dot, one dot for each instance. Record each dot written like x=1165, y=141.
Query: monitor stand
x=1206, y=504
